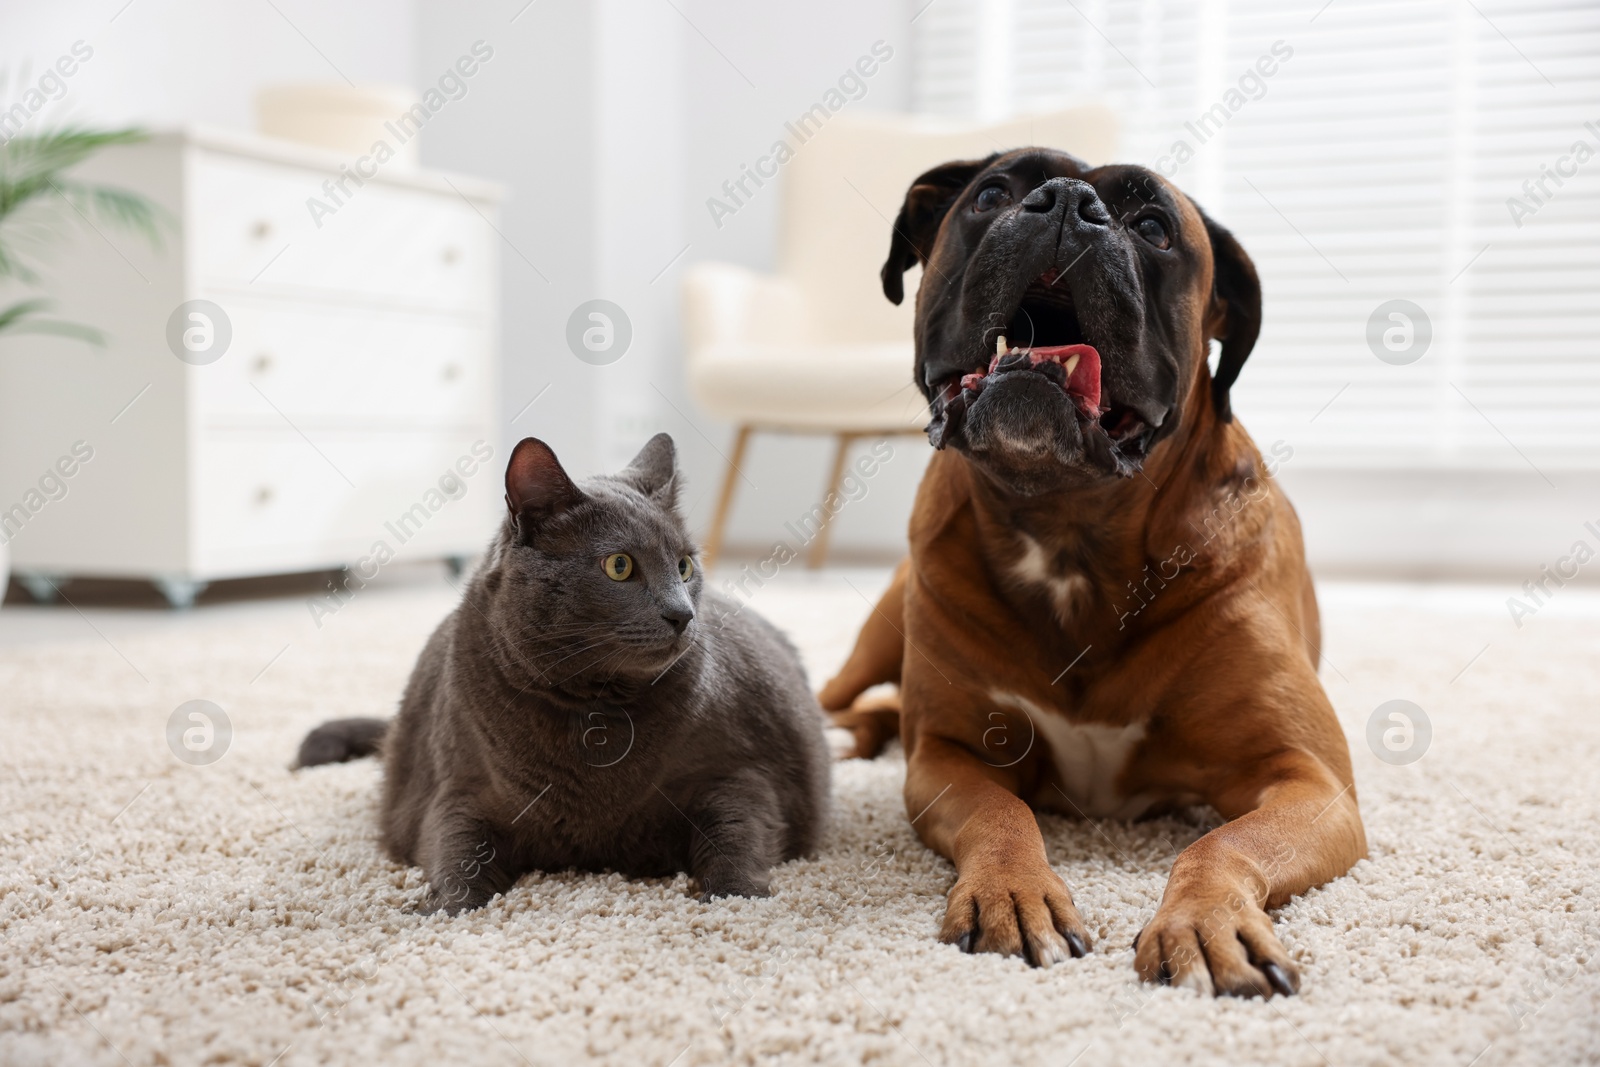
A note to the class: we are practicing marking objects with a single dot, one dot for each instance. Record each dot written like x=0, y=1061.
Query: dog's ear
x=926, y=203
x=1234, y=317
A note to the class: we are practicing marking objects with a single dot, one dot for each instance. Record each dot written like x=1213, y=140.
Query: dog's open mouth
x=1057, y=348
x=1075, y=369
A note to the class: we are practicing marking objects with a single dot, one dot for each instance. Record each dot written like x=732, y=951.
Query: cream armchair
x=815, y=348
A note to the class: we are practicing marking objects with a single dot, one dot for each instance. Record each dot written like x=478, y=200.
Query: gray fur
x=556, y=720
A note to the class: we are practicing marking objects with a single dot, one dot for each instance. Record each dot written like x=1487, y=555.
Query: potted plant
x=37, y=196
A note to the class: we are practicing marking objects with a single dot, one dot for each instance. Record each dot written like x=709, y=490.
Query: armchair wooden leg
x=719, y=522
x=819, y=546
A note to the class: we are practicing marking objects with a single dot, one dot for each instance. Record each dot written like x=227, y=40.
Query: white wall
x=164, y=62
x=641, y=153
x=529, y=123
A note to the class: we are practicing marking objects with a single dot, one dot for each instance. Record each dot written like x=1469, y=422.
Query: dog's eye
x=618, y=566
x=1151, y=229
x=990, y=197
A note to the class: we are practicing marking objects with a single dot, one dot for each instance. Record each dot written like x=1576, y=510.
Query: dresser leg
x=180, y=592
x=43, y=586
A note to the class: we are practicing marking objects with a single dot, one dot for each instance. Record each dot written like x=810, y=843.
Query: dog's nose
x=1073, y=196
x=678, y=617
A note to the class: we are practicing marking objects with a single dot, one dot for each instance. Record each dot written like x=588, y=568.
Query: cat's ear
x=654, y=471
x=536, y=484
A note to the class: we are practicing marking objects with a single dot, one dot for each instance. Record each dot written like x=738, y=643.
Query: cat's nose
x=678, y=617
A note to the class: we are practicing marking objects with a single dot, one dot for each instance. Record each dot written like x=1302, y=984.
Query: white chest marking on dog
x=1066, y=590
x=1089, y=757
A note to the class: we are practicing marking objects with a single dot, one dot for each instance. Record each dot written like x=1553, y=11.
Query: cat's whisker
x=510, y=643
x=575, y=641
x=516, y=654
x=574, y=628
x=578, y=632
x=580, y=651
x=572, y=639
x=591, y=668
x=620, y=655
x=693, y=641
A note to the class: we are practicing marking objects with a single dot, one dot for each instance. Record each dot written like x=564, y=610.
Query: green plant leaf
x=58, y=328
x=28, y=157
x=19, y=318
x=32, y=175
x=126, y=210
x=19, y=311
x=33, y=166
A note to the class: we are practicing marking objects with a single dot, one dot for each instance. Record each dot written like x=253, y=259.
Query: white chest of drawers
x=352, y=408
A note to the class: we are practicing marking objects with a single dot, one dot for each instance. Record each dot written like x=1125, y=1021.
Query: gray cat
x=590, y=705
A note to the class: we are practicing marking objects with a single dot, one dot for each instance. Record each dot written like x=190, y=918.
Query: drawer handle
x=450, y=255
x=263, y=363
x=261, y=230
x=264, y=496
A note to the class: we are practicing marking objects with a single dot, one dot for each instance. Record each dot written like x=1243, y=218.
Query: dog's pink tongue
x=1084, y=381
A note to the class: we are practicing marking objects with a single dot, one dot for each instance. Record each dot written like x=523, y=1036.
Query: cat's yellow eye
x=686, y=568
x=618, y=566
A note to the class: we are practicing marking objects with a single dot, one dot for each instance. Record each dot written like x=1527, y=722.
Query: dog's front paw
x=1227, y=948
x=1015, y=910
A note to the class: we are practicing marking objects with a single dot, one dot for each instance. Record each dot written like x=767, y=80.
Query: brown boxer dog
x=1106, y=611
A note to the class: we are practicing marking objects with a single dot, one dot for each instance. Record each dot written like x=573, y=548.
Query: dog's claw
x=1279, y=978
x=1077, y=945
x=966, y=941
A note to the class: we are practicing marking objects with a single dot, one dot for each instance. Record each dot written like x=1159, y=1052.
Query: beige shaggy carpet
x=155, y=912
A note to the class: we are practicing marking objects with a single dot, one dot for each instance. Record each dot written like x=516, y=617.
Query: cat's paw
x=743, y=886
x=452, y=904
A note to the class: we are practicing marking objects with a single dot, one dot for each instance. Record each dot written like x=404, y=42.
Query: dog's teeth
x=1000, y=345
x=1072, y=364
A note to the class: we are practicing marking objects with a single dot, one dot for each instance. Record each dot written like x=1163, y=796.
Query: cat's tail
x=341, y=740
